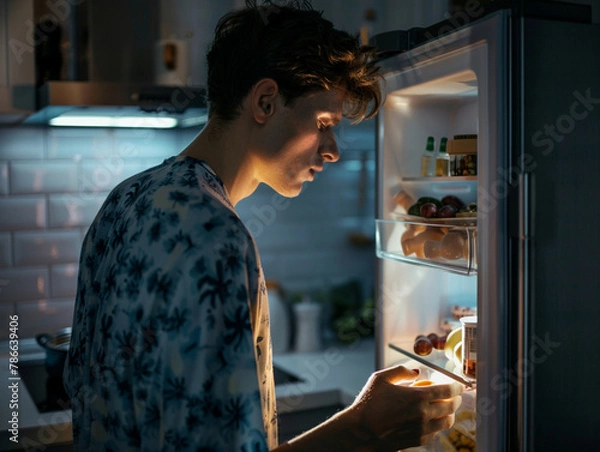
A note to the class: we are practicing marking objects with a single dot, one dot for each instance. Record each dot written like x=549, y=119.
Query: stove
x=47, y=392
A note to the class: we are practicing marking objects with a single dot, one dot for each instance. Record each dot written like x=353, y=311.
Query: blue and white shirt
x=171, y=347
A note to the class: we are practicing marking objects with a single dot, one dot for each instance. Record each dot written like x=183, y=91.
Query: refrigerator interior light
x=463, y=83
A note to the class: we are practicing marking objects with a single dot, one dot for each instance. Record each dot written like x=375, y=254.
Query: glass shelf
x=444, y=243
x=436, y=360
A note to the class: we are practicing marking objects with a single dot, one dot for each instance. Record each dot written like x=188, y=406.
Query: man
x=171, y=347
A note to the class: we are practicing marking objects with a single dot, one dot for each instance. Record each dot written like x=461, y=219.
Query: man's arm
x=384, y=417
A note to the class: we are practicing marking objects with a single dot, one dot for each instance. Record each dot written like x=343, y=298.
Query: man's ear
x=263, y=98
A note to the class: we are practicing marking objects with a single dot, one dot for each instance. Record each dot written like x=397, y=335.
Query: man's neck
x=222, y=149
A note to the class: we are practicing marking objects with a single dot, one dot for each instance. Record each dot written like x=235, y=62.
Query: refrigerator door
x=555, y=226
x=455, y=84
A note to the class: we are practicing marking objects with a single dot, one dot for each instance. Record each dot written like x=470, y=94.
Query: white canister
x=469, y=346
x=308, y=326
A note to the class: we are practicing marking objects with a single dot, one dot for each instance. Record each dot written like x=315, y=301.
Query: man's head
x=297, y=48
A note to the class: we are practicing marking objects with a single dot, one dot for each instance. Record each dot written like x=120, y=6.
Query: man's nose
x=329, y=149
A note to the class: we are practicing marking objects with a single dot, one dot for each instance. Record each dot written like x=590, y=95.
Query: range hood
x=111, y=104
x=103, y=63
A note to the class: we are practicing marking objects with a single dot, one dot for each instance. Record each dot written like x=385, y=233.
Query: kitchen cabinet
x=294, y=423
x=17, y=76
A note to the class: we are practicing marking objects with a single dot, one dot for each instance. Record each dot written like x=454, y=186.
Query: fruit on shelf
x=449, y=207
x=453, y=201
x=446, y=211
x=422, y=346
x=428, y=210
x=433, y=337
x=468, y=211
x=440, y=343
x=425, y=199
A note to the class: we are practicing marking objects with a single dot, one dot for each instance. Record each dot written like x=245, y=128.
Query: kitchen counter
x=35, y=430
x=331, y=376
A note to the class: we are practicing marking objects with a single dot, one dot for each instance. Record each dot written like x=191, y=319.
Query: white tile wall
x=24, y=283
x=3, y=178
x=49, y=246
x=5, y=250
x=21, y=143
x=76, y=143
x=51, y=177
x=5, y=311
x=54, y=180
x=101, y=175
x=77, y=209
x=22, y=212
x=64, y=280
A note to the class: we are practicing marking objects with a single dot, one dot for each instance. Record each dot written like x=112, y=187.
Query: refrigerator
x=523, y=85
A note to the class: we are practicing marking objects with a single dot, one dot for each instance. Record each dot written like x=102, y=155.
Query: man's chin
x=289, y=192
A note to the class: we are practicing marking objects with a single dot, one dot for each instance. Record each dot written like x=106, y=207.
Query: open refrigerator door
x=427, y=220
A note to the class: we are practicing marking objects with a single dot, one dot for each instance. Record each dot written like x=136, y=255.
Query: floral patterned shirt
x=170, y=347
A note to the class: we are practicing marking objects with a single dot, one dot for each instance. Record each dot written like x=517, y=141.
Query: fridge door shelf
x=446, y=244
x=463, y=187
x=436, y=361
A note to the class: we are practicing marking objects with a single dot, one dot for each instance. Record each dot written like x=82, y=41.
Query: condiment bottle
x=442, y=160
x=428, y=159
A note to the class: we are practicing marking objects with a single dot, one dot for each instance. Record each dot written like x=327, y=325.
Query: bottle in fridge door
x=428, y=159
x=442, y=160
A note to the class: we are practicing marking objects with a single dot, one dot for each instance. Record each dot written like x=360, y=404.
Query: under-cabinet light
x=109, y=121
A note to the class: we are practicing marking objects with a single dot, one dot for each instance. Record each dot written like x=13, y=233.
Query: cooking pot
x=57, y=346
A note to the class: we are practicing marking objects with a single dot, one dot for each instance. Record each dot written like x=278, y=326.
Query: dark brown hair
x=294, y=45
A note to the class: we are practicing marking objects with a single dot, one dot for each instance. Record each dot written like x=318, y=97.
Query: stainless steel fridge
x=523, y=87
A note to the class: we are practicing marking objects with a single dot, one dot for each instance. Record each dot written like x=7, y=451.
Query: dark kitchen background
x=54, y=179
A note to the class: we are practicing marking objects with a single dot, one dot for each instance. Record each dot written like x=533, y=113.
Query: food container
x=56, y=346
x=469, y=346
x=462, y=151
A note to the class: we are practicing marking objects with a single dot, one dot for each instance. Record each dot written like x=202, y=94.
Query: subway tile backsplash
x=60, y=176
x=54, y=180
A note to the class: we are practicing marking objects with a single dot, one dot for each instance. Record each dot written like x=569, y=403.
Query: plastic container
x=469, y=348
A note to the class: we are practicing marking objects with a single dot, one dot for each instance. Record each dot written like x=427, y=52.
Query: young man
x=171, y=347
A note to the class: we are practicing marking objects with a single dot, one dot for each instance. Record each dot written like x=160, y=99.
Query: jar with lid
x=462, y=151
